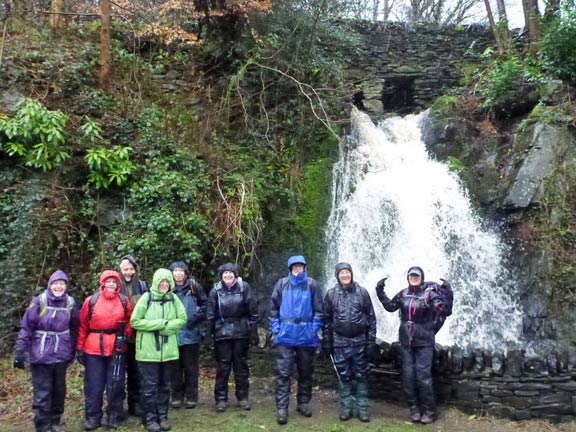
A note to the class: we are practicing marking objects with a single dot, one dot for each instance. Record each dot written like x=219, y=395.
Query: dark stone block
x=561, y=397
x=514, y=363
x=498, y=364
x=528, y=386
x=568, y=386
x=556, y=408
x=520, y=415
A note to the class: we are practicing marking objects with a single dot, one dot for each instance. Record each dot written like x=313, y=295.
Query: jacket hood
x=182, y=265
x=58, y=275
x=159, y=276
x=415, y=270
x=296, y=259
x=228, y=267
x=344, y=266
x=107, y=274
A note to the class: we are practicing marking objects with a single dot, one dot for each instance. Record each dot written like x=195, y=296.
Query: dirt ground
x=16, y=413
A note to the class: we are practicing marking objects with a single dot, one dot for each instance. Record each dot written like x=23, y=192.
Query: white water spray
x=394, y=207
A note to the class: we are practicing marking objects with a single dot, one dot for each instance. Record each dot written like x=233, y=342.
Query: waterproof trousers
x=352, y=365
x=48, y=394
x=185, y=374
x=133, y=379
x=417, y=378
x=155, y=386
x=289, y=359
x=104, y=373
x=231, y=354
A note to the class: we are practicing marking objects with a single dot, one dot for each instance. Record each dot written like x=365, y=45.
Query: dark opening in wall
x=398, y=94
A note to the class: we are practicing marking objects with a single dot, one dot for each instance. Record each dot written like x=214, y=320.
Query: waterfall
x=394, y=207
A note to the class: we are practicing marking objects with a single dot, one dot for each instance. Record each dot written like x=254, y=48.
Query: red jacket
x=106, y=313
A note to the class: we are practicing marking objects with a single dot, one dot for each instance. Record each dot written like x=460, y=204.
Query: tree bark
x=57, y=21
x=499, y=43
x=106, y=70
x=532, y=15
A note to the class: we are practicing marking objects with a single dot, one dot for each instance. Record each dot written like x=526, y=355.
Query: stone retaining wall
x=513, y=385
x=404, y=68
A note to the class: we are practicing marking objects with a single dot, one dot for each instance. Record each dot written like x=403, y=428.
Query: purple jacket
x=49, y=336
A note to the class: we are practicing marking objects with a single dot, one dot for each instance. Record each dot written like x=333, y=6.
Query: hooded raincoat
x=158, y=317
x=48, y=331
x=98, y=330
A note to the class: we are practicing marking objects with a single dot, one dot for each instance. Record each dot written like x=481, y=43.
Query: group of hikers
x=143, y=344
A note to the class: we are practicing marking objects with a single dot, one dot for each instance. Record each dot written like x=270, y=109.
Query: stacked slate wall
x=404, y=68
x=510, y=385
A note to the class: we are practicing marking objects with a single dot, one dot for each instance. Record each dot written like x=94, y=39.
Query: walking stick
x=335, y=370
x=119, y=356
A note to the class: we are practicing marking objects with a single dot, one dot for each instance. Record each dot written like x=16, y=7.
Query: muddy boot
x=244, y=405
x=221, y=406
x=362, y=400
x=282, y=416
x=304, y=410
x=91, y=424
x=427, y=417
x=415, y=414
x=346, y=400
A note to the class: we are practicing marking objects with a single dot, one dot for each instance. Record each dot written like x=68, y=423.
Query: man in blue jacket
x=295, y=318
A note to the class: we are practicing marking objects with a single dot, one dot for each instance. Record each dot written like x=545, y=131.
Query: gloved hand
x=195, y=319
x=326, y=348
x=373, y=352
x=254, y=336
x=431, y=297
x=380, y=289
x=20, y=361
x=80, y=357
x=121, y=345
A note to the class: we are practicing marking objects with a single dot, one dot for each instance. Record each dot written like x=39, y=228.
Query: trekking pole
x=119, y=356
x=335, y=370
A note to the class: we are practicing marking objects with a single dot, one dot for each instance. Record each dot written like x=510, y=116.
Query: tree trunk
x=499, y=43
x=532, y=15
x=375, y=3
x=57, y=21
x=501, y=10
x=552, y=6
x=503, y=28
x=106, y=70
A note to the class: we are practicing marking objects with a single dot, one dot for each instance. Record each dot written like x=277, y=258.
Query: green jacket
x=157, y=320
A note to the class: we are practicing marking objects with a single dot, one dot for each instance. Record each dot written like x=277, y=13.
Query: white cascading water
x=393, y=207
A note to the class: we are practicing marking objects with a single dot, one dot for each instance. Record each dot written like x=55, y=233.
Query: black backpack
x=94, y=299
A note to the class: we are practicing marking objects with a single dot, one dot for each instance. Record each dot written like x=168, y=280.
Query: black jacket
x=231, y=312
x=349, y=316
x=419, y=308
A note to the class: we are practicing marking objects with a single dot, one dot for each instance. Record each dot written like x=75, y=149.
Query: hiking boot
x=304, y=409
x=427, y=418
x=135, y=410
x=91, y=424
x=176, y=403
x=165, y=425
x=282, y=416
x=364, y=417
x=345, y=415
x=221, y=406
x=244, y=405
x=190, y=404
x=113, y=422
x=152, y=427
x=415, y=416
